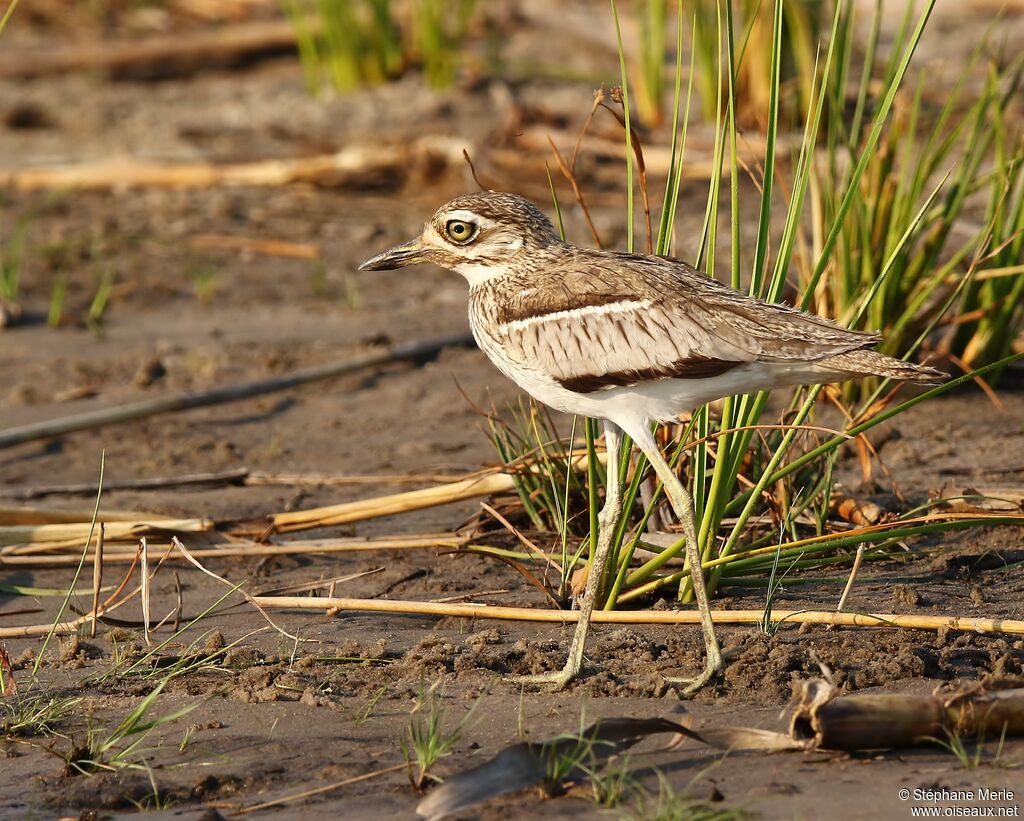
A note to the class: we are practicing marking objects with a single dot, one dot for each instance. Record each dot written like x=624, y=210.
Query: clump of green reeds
x=355, y=43
x=932, y=237
x=876, y=217
x=752, y=21
x=962, y=139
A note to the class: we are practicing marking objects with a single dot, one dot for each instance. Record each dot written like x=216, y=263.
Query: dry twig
x=418, y=349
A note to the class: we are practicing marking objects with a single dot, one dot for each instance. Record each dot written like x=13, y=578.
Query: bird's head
x=476, y=235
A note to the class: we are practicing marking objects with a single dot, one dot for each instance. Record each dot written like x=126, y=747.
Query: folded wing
x=622, y=319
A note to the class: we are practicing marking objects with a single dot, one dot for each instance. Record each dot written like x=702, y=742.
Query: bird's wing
x=616, y=319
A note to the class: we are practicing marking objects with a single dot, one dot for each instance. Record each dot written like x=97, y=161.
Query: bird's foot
x=711, y=671
x=551, y=682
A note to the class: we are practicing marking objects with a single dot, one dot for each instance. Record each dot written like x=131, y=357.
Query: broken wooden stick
x=419, y=349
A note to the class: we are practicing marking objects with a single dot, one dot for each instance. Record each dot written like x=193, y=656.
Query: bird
x=633, y=340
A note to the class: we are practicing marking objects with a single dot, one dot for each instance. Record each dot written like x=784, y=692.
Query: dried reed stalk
x=482, y=611
x=344, y=480
x=479, y=484
x=349, y=166
x=227, y=477
x=10, y=516
x=97, y=580
x=394, y=503
x=20, y=534
x=61, y=628
x=11, y=556
x=144, y=585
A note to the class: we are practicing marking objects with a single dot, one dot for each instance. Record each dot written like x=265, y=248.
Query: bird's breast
x=491, y=334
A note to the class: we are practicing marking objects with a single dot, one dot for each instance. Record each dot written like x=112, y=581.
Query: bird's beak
x=408, y=253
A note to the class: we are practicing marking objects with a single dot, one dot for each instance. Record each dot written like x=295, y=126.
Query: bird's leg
x=608, y=520
x=682, y=503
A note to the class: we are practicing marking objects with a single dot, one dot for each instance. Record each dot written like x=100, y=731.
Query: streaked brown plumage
x=627, y=338
x=686, y=326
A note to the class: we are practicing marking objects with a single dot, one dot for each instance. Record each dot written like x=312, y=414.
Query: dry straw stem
x=42, y=516
x=144, y=585
x=60, y=628
x=349, y=479
x=416, y=349
x=112, y=603
x=480, y=484
x=350, y=166
x=176, y=542
x=15, y=557
x=480, y=611
x=486, y=484
x=394, y=503
x=97, y=580
x=21, y=534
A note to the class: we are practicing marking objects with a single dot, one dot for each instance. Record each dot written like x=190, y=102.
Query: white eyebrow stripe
x=625, y=306
x=469, y=216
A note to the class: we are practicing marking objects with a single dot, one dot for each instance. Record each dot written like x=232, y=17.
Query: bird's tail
x=871, y=363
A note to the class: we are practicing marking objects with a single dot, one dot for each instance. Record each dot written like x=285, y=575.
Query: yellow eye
x=459, y=231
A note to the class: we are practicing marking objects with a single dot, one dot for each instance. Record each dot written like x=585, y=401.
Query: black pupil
x=459, y=229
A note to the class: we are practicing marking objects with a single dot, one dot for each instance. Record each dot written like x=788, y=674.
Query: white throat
x=475, y=273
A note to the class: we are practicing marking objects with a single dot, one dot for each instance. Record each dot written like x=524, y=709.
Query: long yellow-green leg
x=608, y=521
x=682, y=504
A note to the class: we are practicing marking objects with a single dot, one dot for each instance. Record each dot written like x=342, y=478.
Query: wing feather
x=606, y=319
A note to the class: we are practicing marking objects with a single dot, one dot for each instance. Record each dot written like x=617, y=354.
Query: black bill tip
x=408, y=253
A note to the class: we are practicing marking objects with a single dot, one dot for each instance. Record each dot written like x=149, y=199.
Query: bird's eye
x=460, y=231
